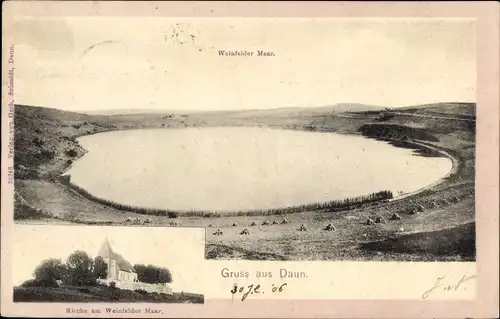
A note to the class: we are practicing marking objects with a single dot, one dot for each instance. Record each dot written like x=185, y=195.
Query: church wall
x=126, y=276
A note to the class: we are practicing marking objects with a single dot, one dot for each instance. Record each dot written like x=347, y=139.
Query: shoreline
x=330, y=206
x=453, y=170
x=314, y=207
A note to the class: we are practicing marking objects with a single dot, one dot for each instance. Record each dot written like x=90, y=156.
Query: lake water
x=227, y=169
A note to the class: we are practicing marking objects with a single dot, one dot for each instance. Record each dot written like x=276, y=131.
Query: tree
x=152, y=274
x=49, y=271
x=100, y=268
x=149, y=274
x=164, y=275
x=80, y=269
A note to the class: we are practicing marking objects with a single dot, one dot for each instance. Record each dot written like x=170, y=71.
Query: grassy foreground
x=98, y=294
x=444, y=129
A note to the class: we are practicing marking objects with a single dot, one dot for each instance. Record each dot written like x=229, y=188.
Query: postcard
x=243, y=159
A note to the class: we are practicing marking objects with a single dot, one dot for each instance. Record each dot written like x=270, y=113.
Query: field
x=98, y=294
x=442, y=229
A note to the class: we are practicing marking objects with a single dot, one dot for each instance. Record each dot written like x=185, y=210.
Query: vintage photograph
x=285, y=139
x=106, y=264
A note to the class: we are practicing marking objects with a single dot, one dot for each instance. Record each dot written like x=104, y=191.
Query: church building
x=119, y=269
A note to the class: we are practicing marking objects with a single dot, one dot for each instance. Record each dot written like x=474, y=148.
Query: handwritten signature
x=446, y=287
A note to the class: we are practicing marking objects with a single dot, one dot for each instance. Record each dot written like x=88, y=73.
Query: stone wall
x=130, y=285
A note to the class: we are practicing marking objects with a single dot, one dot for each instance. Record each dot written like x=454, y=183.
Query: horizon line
x=154, y=110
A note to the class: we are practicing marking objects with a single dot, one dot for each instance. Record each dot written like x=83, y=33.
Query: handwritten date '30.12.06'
x=245, y=291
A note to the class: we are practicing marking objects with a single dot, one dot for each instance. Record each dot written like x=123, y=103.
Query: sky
x=84, y=64
x=181, y=250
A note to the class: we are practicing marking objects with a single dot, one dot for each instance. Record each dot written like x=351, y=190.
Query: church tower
x=107, y=254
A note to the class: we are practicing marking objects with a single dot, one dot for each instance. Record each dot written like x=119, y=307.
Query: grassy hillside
x=45, y=139
x=99, y=294
x=458, y=110
x=456, y=241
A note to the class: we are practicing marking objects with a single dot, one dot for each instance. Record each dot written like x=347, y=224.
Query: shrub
x=71, y=152
x=141, y=291
x=173, y=215
x=40, y=283
x=112, y=285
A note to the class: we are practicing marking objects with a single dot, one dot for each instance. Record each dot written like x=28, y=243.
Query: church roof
x=121, y=263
